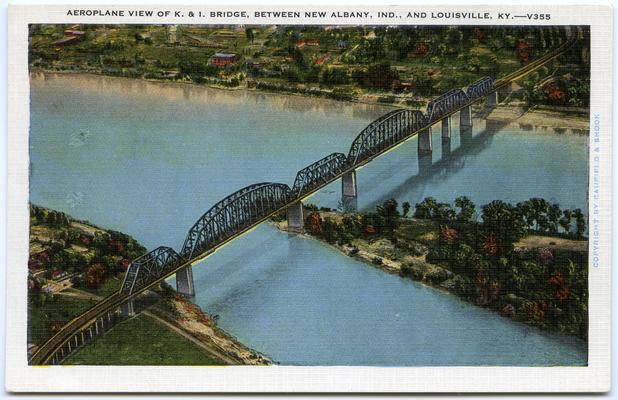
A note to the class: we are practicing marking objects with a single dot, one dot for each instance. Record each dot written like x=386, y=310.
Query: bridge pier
x=348, y=191
x=492, y=99
x=127, y=309
x=184, y=282
x=465, y=118
x=446, y=129
x=424, y=141
x=296, y=218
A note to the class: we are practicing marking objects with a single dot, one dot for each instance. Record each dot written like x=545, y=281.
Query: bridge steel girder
x=318, y=173
x=385, y=132
x=480, y=88
x=236, y=211
x=150, y=267
x=446, y=103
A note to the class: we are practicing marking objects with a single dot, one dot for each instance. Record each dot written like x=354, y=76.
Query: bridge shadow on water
x=452, y=161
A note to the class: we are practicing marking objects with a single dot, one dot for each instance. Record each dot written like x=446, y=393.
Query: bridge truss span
x=233, y=213
x=150, y=267
x=480, y=88
x=319, y=173
x=396, y=126
x=446, y=103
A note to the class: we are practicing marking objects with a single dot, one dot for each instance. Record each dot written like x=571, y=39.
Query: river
x=149, y=158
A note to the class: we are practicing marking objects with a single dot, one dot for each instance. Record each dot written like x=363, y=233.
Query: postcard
x=309, y=198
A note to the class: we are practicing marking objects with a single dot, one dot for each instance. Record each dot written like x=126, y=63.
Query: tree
x=406, y=208
x=329, y=230
x=466, y=209
x=565, y=221
x=313, y=224
x=381, y=75
x=503, y=220
x=95, y=275
x=423, y=210
x=249, y=34
x=388, y=211
x=553, y=214
x=580, y=223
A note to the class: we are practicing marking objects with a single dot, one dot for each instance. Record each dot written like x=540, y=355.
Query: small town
x=389, y=65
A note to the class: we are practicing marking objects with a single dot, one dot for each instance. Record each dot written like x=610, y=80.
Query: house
x=70, y=32
x=58, y=274
x=43, y=257
x=321, y=60
x=224, y=59
x=85, y=240
x=407, y=86
x=342, y=45
x=33, y=263
x=66, y=41
x=308, y=42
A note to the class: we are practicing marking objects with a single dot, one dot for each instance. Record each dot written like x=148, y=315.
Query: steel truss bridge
x=250, y=206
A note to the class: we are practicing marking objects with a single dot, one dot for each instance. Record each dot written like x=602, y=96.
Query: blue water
x=148, y=159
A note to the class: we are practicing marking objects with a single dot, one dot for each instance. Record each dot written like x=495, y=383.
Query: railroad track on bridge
x=247, y=208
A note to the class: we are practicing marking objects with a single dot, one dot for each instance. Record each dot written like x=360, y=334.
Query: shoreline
x=558, y=119
x=180, y=317
x=427, y=270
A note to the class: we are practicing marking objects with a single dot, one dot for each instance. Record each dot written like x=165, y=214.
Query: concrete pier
x=128, y=310
x=465, y=118
x=184, y=282
x=424, y=141
x=348, y=191
x=446, y=129
x=492, y=99
x=296, y=219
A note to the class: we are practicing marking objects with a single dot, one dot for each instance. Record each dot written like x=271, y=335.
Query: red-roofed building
x=224, y=59
x=58, y=274
x=66, y=41
x=70, y=32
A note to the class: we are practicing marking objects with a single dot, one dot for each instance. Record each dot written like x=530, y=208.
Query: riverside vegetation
x=74, y=264
x=528, y=261
x=403, y=65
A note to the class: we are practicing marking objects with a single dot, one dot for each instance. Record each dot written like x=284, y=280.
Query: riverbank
x=436, y=255
x=542, y=118
x=75, y=264
x=554, y=119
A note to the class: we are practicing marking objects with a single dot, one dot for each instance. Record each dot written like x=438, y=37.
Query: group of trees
x=540, y=286
x=92, y=257
x=44, y=216
x=384, y=220
x=534, y=215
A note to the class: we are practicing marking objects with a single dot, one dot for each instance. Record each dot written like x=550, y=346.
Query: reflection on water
x=156, y=156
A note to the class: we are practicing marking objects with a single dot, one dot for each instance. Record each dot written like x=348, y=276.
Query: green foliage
x=466, y=209
x=505, y=222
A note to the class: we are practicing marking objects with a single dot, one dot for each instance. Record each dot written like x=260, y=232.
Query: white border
x=21, y=377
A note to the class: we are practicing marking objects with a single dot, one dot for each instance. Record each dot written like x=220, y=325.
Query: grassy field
x=57, y=309
x=141, y=341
